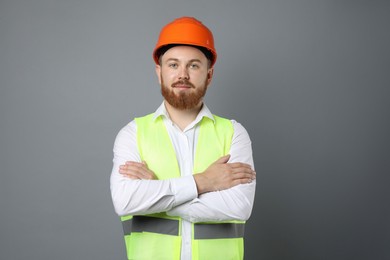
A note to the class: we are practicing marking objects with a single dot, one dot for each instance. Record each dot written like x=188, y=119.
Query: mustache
x=183, y=82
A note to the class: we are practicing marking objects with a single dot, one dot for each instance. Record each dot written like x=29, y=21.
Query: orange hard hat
x=186, y=31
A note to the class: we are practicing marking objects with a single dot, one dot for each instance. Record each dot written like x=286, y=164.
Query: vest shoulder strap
x=214, y=141
x=155, y=147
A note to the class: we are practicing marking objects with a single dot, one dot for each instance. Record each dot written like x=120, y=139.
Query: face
x=184, y=76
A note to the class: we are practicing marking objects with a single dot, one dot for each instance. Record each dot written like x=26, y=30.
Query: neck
x=182, y=118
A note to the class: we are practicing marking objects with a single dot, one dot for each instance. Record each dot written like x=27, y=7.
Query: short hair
x=209, y=55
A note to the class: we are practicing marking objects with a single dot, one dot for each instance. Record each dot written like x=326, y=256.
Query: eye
x=194, y=66
x=173, y=65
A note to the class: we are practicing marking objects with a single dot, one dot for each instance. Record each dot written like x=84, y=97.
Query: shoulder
x=236, y=125
x=239, y=130
x=145, y=117
x=128, y=131
x=131, y=127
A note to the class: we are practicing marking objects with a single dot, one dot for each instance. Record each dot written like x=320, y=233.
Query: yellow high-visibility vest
x=158, y=236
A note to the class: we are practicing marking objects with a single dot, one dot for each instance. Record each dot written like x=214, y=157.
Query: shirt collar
x=204, y=112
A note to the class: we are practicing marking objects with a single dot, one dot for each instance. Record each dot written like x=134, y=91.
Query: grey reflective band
x=151, y=224
x=220, y=230
x=126, y=225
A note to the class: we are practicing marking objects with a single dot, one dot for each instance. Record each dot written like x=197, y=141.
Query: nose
x=183, y=74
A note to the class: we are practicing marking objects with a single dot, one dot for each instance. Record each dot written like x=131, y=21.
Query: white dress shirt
x=178, y=196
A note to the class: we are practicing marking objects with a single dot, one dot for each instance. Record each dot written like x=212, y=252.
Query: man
x=183, y=179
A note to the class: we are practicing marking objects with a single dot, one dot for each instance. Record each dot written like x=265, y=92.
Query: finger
x=134, y=171
x=139, y=172
x=139, y=169
x=130, y=173
x=136, y=166
x=129, y=166
x=127, y=169
x=242, y=181
x=223, y=159
x=239, y=164
x=242, y=170
x=244, y=175
x=132, y=163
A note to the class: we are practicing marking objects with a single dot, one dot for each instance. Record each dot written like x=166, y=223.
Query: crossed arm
x=220, y=175
x=224, y=191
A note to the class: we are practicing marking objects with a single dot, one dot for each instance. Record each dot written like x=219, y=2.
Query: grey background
x=308, y=79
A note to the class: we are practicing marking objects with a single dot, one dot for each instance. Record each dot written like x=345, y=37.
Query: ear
x=158, y=72
x=210, y=74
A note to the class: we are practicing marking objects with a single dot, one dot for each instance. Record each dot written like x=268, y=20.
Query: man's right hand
x=137, y=170
x=222, y=175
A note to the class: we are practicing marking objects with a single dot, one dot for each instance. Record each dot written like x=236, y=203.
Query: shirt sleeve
x=136, y=197
x=235, y=203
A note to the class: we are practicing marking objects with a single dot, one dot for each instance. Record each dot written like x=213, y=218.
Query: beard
x=183, y=100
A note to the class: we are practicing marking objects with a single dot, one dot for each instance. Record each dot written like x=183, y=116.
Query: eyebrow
x=196, y=60
x=190, y=61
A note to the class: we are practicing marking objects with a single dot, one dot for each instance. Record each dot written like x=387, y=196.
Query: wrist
x=202, y=184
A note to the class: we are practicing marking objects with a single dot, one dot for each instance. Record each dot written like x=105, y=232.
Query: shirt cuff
x=184, y=189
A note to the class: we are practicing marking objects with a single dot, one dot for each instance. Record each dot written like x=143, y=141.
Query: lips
x=182, y=85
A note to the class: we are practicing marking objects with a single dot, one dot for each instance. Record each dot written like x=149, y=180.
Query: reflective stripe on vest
x=171, y=227
x=220, y=230
x=151, y=224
